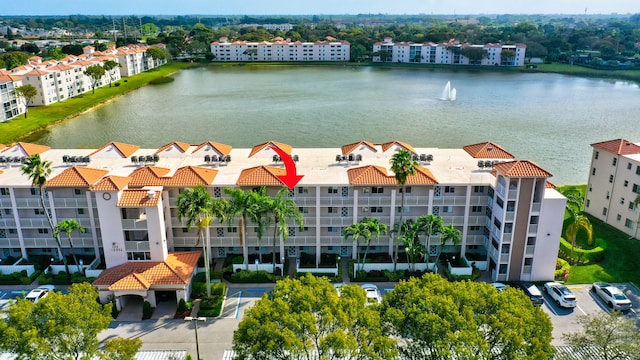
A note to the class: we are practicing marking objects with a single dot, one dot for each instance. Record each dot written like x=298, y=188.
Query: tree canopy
x=437, y=319
x=59, y=327
x=26, y=93
x=306, y=319
x=95, y=73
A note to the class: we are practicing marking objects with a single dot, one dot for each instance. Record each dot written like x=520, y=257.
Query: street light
x=196, y=319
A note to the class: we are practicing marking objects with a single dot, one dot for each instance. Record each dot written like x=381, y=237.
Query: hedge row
x=18, y=278
x=582, y=256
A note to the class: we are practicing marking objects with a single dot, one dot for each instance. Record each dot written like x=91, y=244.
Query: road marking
x=229, y=303
x=3, y=295
x=238, y=305
x=582, y=311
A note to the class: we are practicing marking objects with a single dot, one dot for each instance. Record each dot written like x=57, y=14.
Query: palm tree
x=196, y=206
x=449, y=233
x=357, y=231
x=430, y=225
x=245, y=205
x=411, y=240
x=68, y=226
x=282, y=210
x=376, y=228
x=402, y=166
x=38, y=171
x=636, y=201
x=577, y=220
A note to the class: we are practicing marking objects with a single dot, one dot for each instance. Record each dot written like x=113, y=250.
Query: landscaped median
x=41, y=117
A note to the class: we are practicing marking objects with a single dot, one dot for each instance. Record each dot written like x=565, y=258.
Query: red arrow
x=291, y=178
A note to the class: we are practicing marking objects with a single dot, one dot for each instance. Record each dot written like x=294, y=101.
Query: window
x=615, y=162
x=332, y=229
x=476, y=209
x=447, y=209
x=622, y=201
x=303, y=210
x=35, y=191
x=4, y=191
x=610, y=178
x=531, y=241
x=597, y=154
x=77, y=192
x=608, y=195
x=637, y=170
x=478, y=189
x=332, y=210
x=506, y=248
x=303, y=190
x=376, y=209
x=80, y=211
x=528, y=261
x=332, y=190
x=499, y=202
x=626, y=183
x=628, y=166
x=408, y=190
x=377, y=190
x=185, y=230
x=449, y=189
x=406, y=210
x=628, y=223
x=604, y=211
x=497, y=223
x=43, y=231
x=38, y=211
x=619, y=217
x=588, y=202
x=503, y=269
x=635, y=188
x=232, y=229
x=593, y=171
x=220, y=232
x=632, y=206
x=8, y=212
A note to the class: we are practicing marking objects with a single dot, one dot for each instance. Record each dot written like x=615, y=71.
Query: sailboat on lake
x=448, y=93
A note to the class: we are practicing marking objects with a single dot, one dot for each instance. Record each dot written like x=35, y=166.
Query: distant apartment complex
x=508, y=213
x=12, y=106
x=281, y=50
x=450, y=53
x=280, y=27
x=58, y=80
x=614, y=185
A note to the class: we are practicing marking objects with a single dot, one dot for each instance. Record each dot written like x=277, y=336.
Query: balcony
x=506, y=237
x=450, y=200
x=530, y=249
x=5, y=202
x=189, y=241
x=513, y=194
x=504, y=258
x=475, y=240
x=533, y=228
x=34, y=223
x=41, y=243
x=535, y=207
x=76, y=202
x=509, y=216
x=77, y=242
x=7, y=223
x=136, y=245
x=337, y=201
x=28, y=203
x=134, y=224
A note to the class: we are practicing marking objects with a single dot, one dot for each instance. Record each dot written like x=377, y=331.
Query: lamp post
x=196, y=319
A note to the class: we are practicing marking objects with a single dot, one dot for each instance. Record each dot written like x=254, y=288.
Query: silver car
x=612, y=296
x=560, y=294
x=39, y=293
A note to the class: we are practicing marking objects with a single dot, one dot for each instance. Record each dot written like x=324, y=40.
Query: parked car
x=560, y=294
x=39, y=293
x=532, y=292
x=612, y=296
x=499, y=286
x=373, y=294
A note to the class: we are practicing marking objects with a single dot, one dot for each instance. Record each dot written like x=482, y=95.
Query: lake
x=547, y=118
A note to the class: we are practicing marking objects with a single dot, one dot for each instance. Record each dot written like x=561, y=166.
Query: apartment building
x=450, y=53
x=11, y=105
x=614, y=185
x=280, y=50
x=125, y=196
x=58, y=80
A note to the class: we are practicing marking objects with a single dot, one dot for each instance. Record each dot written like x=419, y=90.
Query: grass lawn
x=620, y=263
x=575, y=70
x=39, y=118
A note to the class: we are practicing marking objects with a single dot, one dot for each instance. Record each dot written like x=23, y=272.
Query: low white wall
x=389, y=266
x=93, y=273
x=333, y=271
x=481, y=265
x=10, y=269
x=256, y=267
x=55, y=269
x=467, y=270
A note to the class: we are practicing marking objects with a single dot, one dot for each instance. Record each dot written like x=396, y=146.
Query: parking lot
x=565, y=320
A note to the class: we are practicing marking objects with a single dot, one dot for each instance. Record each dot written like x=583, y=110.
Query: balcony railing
x=530, y=249
x=450, y=200
x=536, y=207
x=5, y=202
x=533, y=228
x=509, y=216
x=40, y=243
x=9, y=243
x=34, y=223
x=76, y=202
x=136, y=245
x=504, y=258
x=7, y=223
x=28, y=203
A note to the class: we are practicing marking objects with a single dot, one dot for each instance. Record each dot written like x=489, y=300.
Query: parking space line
x=238, y=305
x=582, y=311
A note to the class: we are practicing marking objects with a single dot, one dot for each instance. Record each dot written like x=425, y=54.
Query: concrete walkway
x=132, y=311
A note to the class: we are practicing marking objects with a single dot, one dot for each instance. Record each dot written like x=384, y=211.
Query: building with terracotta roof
x=280, y=50
x=125, y=196
x=451, y=52
x=12, y=105
x=614, y=185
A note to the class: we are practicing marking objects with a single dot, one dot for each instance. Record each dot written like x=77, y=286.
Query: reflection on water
x=550, y=119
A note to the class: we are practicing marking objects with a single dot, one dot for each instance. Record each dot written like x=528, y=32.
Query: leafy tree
x=473, y=53
x=120, y=349
x=611, y=335
x=38, y=171
x=14, y=59
x=577, y=221
x=506, y=54
x=402, y=166
x=196, y=206
x=437, y=319
x=357, y=231
x=247, y=205
x=95, y=73
x=156, y=53
x=109, y=66
x=30, y=48
x=282, y=210
x=305, y=318
x=58, y=327
x=27, y=93
x=385, y=55
x=73, y=49
x=68, y=226
x=54, y=53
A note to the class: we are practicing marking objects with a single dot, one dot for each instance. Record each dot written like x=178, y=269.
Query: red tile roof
x=187, y=176
x=377, y=175
x=618, y=147
x=521, y=168
x=148, y=176
x=28, y=149
x=221, y=149
x=111, y=183
x=550, y=185
x=284, y=147
x=125, y=150
x=487, y=150
x=349, y=148
x=138, y=198
x=180, y=145
x=404, y=145
x=261, y=176
x=177, y=269
x=77, y=177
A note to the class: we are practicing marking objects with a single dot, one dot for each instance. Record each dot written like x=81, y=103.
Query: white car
x=499, y=286
x=560, y=294
x=39, y=293
x=611, y=295
x=373, y=294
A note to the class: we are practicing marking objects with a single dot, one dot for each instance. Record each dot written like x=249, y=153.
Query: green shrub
x=582, y=256
x=182, y=306
x=474, y=275
x=210, y=307
x=18, y=278
x=116, y=83
x=393, y=275
x=147, y=310
x=244, y=276
x=161, y=80
x=237, y=260
x=562, y=266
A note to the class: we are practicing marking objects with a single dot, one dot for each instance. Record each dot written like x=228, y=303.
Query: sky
x=315, y=7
